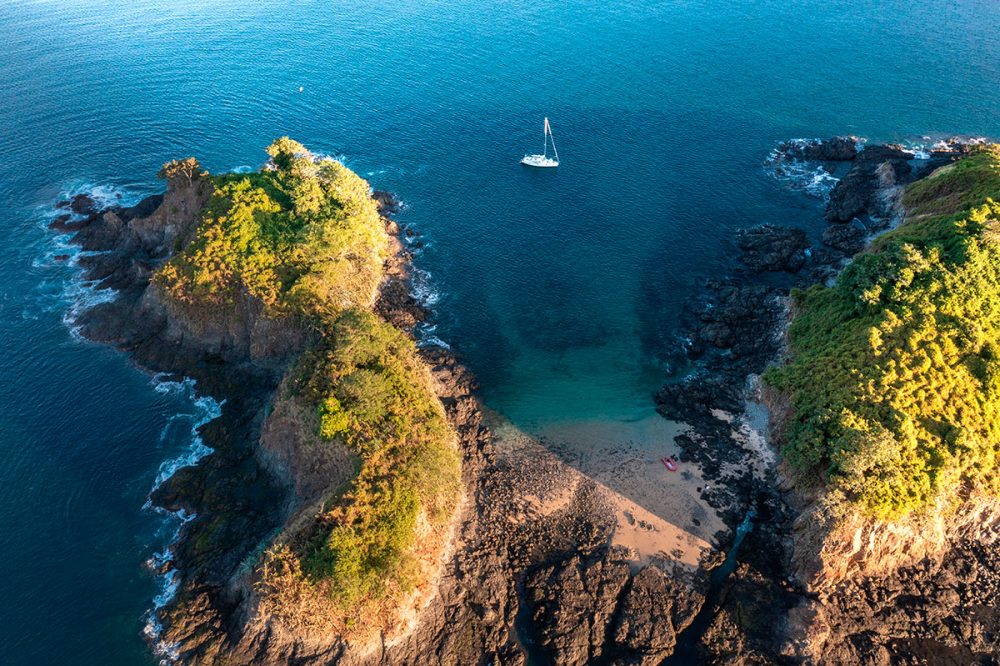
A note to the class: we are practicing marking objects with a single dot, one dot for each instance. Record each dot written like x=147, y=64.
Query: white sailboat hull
x=540, y=161
x=543, y=161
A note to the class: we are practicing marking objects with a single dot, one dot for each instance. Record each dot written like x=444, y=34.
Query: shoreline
x=570, y=542
x=221, y=534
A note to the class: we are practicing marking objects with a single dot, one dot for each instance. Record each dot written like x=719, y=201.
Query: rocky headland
x=809, y=588
x=529, y=571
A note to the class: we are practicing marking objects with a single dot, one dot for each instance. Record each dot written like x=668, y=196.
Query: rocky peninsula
x=337, y=522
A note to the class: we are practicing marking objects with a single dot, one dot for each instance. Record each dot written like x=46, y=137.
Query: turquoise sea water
x=560, y=287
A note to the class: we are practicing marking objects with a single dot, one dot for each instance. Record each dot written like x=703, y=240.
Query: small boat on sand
x=543, y=160
x=669, y=464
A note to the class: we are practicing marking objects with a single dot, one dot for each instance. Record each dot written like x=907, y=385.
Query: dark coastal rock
x=101, y=232
x=834, y=149
x=772, y=248
x=62, y=223
x=388, y=203
x=83, y=204
x=935, y=613
x=593, y=609
x=846, y=238
x=739, y=319
x=397, y=304
x=145, y=208
x=854, y=194
x=651, y=614
x=695, y=398
x=573, y=604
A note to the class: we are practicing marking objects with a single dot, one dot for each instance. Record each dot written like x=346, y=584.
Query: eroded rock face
x=591, y=609
x=940, y=611
x=855, y=194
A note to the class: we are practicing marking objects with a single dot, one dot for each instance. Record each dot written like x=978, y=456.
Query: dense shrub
x=895, y=377
x=303, y=236
x=373, y=394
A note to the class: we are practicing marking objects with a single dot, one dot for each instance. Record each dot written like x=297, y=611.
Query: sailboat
x=544, y=160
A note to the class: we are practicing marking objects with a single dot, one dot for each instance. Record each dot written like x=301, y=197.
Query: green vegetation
x=303, y=237
x=957, y=187
x=895, y=370
x=372, y=393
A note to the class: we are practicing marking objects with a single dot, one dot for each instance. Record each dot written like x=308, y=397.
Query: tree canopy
x=303, y=236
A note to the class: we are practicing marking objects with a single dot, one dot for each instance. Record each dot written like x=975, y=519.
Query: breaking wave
x=800, y=174
x=161, y=563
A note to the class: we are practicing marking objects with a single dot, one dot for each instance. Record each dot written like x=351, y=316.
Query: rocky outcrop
x=876, y=591
x=925, y=587
x=572, y=605
x=855, y=194
x=834, y=149
x=803, y=591
x=591, y=609
x=772, y=248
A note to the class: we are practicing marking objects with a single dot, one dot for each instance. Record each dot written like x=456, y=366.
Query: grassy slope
x=305, y=238
x=895, y=376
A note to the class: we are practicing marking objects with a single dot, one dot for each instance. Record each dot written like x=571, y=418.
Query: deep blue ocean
x=561, y=287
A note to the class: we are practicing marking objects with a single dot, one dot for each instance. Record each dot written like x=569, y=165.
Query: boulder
x=773, y=248
x=848, y=238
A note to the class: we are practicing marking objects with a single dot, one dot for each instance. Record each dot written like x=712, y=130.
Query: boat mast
x=545, y=138
x=548, y=129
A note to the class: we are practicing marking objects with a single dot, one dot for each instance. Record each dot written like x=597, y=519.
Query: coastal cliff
x=892, y=446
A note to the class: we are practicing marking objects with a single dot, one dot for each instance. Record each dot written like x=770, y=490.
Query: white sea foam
x=422, y=288
x=205, y=409
x=425, y=334
x=800, y=174
x=65, y=290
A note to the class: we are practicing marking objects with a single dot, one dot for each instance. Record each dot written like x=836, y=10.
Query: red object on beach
x=670, y=464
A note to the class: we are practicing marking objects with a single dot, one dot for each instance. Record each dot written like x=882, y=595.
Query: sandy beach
x=659, y=514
